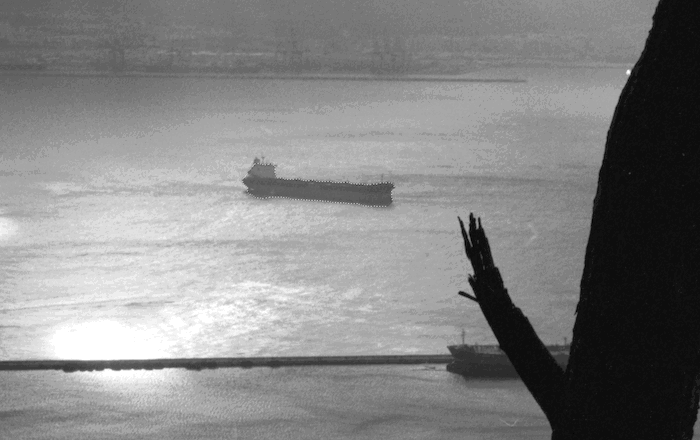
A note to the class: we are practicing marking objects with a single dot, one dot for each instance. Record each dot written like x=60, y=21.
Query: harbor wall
x=212, y=363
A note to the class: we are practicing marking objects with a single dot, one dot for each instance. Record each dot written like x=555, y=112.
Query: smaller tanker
x=489, y=361
x=262, y=181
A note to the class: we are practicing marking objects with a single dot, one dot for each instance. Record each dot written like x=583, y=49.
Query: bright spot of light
x=7, y=228
x=629, y=72
x=102, y=340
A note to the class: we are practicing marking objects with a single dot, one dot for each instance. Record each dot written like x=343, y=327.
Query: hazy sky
x=466, y=16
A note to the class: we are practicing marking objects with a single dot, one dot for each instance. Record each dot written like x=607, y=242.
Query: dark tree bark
x=634, y=370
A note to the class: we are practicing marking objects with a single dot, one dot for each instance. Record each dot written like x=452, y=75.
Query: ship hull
x=490, y=362
x=377, y=194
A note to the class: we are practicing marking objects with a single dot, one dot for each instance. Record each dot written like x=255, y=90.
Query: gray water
x=125, y=232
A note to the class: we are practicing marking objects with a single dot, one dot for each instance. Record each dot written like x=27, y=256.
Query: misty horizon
x=323, y=18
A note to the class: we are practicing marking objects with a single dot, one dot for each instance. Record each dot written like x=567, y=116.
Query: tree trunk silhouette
x=635, y=358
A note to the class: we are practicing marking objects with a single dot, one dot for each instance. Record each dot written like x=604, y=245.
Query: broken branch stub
x=516, y=337
x=486, y=282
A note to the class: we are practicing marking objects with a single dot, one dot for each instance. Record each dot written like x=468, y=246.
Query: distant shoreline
x=263, y=76
x=463, y=77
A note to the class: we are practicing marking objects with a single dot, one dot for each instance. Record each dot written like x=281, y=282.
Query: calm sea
x=125, y=232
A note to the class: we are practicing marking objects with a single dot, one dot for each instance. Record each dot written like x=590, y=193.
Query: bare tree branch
x=531, y=359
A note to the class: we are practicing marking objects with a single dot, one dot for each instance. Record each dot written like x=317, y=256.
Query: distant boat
x=262, y=181
x=489, y=361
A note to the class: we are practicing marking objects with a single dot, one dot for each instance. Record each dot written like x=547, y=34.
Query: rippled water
x=389, y=402
x=125, y=230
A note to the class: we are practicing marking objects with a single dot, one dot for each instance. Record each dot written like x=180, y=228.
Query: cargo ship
x=262, y=181
x=489, y=361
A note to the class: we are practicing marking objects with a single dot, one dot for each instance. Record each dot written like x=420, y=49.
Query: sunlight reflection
x=102, y=340
x=7, y=228
x=147, y=382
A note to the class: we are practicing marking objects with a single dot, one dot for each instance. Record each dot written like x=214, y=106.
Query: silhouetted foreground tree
x=635, y=356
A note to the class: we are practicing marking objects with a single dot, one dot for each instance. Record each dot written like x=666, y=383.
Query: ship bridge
x=262, y=169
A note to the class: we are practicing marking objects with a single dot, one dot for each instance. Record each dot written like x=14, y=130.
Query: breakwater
x=70, y=366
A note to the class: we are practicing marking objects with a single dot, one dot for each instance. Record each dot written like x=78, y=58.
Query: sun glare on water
x=7, y=228
x=102, y=340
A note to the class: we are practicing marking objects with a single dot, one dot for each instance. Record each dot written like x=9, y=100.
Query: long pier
x=70, y=366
